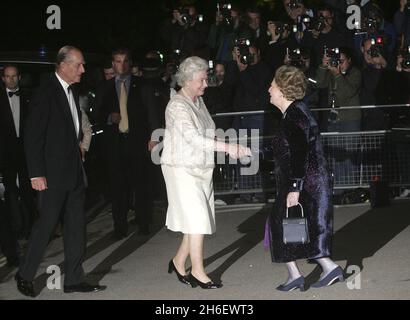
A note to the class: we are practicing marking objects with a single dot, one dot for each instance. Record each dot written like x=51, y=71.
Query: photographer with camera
x=228, y=26
x=378, y=79
x=259, y=34
x=186, y=32
x=322, y=33
x=402, y=20
x=374, y=25
x=343, y=81
x=250, y=78
x=296, y=15
x=218, y=95
x=278, y=42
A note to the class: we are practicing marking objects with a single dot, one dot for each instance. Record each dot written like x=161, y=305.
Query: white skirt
x=190, y=193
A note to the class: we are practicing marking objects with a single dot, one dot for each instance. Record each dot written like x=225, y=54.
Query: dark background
x=96, y=26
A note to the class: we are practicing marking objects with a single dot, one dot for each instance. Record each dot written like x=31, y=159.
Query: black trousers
x=8, y=240
x=19, y=198
x=51, y=204
x=131, y=182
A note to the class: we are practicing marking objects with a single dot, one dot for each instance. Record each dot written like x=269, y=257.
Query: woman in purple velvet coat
x=302, y=177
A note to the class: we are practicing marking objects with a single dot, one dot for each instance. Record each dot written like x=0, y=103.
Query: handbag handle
x=301, y=209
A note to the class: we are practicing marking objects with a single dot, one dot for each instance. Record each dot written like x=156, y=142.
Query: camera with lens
x=188, y=19
x=212, y=80
x=376, y=48
x=406, y=58
x=319, y=24
x=225, y=11
x=371, y=24
x=296, y=58
x=280, y=28
x=243, y=45
x=334, y=55
x=303, y=20
x=294, y=4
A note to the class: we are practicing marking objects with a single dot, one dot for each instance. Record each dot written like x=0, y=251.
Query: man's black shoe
x=83, y=287
x=24, y=286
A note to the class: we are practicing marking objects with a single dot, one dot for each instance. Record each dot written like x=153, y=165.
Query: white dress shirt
x=15, y=110
x=71, y=102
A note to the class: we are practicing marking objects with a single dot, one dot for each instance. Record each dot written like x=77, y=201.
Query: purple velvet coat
x=301, y=166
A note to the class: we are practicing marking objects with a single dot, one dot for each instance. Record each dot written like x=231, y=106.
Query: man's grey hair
x=64, y=55
x=188, y=68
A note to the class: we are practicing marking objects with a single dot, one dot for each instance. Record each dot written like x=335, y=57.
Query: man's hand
x=379, y=62
x=315, y=34
x=115, y=117
x=325, y=61
x=272, y=30
x=334, y=70
x=292, y=199
x=151, y=145
x=402, y=5
x=219, y=18
x=176, y=17
x=237, y=57
x=39, y=184
x=83, y=151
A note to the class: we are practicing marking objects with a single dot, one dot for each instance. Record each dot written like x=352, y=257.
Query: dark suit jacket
x=10, y=145
x=50, y=142
x=142, y=115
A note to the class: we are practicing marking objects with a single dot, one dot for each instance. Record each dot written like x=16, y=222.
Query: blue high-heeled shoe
x=297, y=283
x=332, y=277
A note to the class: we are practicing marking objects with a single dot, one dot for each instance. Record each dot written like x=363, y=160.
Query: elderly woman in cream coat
x=187, y=163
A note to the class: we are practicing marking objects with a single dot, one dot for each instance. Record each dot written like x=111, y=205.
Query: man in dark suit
x=129, y=115
x=13, y=110
x=52, y=137
x=8, y=240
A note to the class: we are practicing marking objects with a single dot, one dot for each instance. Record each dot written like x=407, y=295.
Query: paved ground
x=376, y=240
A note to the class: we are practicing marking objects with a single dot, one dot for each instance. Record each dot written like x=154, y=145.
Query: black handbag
x=295, y=230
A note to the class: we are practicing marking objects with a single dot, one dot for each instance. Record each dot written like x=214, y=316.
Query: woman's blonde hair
x=292, y=82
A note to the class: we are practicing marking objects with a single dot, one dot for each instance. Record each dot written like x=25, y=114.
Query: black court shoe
x=209, y=285
x=171, y=267
x=295, y=284
x=24, y=286
x=332, y=277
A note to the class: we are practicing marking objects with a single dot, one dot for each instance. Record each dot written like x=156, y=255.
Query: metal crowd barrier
x=354, y=158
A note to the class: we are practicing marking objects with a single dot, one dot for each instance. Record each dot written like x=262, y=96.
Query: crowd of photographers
x=365, y=65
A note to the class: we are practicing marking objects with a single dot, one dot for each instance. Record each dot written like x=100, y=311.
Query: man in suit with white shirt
x=52, y=145
x=129, y=117
x=13, y=110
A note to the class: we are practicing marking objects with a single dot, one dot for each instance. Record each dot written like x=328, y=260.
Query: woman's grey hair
x=188, y=68
x=63, y=54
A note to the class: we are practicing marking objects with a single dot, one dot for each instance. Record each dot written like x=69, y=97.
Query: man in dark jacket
x=186, y=32
x=52, y=147
x=129, y=118
x=250, y=84
x=13, y=112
